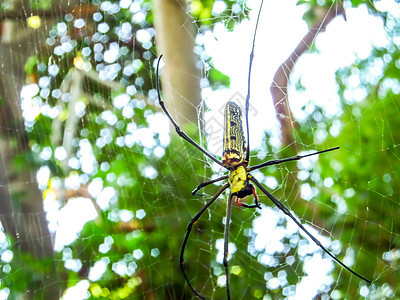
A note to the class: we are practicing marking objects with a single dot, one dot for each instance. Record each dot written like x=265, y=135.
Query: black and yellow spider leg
x=181, y=133
x=226, y=243
x=189, y=229
x=248, y=87
x=316, y=241
x=204, y=184
x=279, y=161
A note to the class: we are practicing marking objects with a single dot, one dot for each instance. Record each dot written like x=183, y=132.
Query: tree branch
x=279, y=85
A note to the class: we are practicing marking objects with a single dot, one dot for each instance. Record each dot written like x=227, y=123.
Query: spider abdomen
x=234, y=140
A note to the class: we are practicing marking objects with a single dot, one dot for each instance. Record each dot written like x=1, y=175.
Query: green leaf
x=31, y=64
x=218, y=79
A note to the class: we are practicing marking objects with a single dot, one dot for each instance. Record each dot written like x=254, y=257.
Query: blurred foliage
x=140, y=253
x=313, y=12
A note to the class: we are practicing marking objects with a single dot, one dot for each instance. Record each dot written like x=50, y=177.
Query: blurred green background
x=87, y=126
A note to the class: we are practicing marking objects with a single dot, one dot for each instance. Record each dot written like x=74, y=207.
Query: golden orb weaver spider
x=236, y=158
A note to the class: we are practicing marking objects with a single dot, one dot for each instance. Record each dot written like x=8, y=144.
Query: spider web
x=108, y=181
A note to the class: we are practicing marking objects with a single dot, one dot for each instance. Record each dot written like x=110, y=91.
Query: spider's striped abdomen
x=234, y=140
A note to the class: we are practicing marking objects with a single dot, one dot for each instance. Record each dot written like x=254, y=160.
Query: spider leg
x=226, y=243
x=248, y=86
x=181, y=133
x=316, y=241
x=204, y=184
x=188, y=231
x=256, y=205
x=279, y=161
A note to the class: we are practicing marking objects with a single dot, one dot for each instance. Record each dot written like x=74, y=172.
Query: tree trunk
x=21, y=202
x=180, y=76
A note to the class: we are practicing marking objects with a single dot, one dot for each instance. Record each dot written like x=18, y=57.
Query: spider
x=236, y=159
